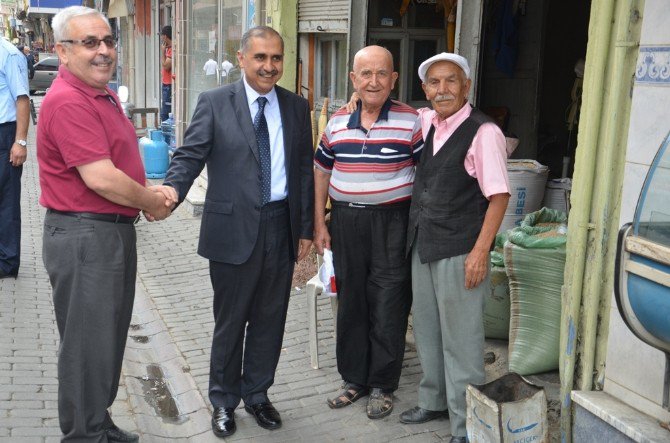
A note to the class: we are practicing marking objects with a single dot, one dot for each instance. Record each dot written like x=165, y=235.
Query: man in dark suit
x=31, y=61
x=255, y=139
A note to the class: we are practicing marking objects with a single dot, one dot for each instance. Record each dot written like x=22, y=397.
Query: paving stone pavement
x=163, y=394
x=177, y=282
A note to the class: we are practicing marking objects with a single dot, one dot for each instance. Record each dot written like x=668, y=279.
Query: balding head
x=374, y=51
x=373, y=76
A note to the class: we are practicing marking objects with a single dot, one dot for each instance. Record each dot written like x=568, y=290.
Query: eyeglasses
x=93, y=42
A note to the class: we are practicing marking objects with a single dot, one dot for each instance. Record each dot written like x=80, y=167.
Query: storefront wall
x=323, y=49
x=207, y=31
x=282, y=16
x=332, y=32
x=635, y=371
x=143, y=57
x=212, y=29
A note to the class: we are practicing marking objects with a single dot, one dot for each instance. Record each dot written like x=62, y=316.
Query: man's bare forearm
x=22, y=117
x=321, y=183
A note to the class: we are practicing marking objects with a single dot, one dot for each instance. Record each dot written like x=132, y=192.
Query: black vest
x=448, y=207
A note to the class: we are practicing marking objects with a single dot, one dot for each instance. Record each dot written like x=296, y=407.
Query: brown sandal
x=350, y=393
x=380, y=404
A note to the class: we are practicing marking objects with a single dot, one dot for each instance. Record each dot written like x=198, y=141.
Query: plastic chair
x=313, y=290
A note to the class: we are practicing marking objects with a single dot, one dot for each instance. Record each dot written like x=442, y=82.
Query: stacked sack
x=534, y=256
x=527, y=180
x=496, y=305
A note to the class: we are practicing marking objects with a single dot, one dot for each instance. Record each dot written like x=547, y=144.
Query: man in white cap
x=459, y=198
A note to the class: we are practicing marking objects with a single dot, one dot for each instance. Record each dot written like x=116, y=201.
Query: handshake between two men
x=162, y=204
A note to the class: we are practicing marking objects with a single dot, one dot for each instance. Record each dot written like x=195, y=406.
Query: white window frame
x=320, y=38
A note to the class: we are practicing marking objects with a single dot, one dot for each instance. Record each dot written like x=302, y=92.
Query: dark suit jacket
x=31, y=65
x=221, y=135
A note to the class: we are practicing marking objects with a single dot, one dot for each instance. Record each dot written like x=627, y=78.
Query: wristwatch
x=23, y=143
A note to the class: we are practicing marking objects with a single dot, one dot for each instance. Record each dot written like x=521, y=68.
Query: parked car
x=45, y=73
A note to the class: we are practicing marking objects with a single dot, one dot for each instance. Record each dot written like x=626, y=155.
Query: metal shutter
x=323, y=15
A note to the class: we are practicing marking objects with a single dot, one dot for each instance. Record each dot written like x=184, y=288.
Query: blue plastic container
x=167, y=127
x=154, y=152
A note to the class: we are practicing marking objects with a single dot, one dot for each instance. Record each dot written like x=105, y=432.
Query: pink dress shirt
x=486, y=159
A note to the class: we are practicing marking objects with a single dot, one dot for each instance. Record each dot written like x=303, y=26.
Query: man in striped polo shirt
x=365, y=162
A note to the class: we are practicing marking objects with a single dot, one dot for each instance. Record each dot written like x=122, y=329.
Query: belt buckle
x=354, y=205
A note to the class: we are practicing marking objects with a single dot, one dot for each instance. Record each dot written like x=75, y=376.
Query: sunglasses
x=93, y=42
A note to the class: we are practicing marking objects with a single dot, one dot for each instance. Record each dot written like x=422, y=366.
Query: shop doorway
x=532, y=70
x=411, y=38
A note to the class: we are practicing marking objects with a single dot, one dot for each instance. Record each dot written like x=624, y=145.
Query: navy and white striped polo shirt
x=371, y=167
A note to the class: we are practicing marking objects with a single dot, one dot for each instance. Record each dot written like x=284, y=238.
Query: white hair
x=61, y=21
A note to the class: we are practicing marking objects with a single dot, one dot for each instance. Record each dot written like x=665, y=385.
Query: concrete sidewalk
x=165, y=376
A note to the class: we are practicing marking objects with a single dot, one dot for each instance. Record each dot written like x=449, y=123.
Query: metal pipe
x=597, y=52
x=611, y=151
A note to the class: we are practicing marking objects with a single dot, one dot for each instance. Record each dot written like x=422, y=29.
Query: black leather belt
x=382, y=206
x=111, y=218
x=275, y=204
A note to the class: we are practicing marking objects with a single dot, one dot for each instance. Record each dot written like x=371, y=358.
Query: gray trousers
x=91, y=266
x=449, y=334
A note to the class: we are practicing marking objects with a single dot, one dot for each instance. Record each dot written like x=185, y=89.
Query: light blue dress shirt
x=278, y=190
x=13, y=79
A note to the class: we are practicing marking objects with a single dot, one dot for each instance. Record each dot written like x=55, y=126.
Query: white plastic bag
x=327, y=274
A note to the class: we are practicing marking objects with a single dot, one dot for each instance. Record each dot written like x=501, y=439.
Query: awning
x=50, y=6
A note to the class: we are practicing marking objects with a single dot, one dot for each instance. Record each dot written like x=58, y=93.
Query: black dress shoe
x=223, y=422
x=266, y=415
x=418, y=415
x=116, y=434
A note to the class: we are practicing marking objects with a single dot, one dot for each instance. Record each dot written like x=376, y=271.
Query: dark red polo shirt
x=79, y=125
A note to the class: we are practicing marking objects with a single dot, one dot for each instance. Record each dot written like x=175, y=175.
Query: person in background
x=166, y=72
x=31, y=61
x=459, y=199
x=365, y=163
x=14, y=120
x=93, y=185
x=226, y=66
x=210, y=69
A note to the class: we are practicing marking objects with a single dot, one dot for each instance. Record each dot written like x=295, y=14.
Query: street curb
x=149, y=347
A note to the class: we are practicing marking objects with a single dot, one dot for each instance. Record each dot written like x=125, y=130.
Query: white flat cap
x=444, y=56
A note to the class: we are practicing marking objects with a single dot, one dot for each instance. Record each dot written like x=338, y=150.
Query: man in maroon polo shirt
x=93, y=186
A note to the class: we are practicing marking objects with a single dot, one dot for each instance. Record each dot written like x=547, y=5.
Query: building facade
x=577, y=101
